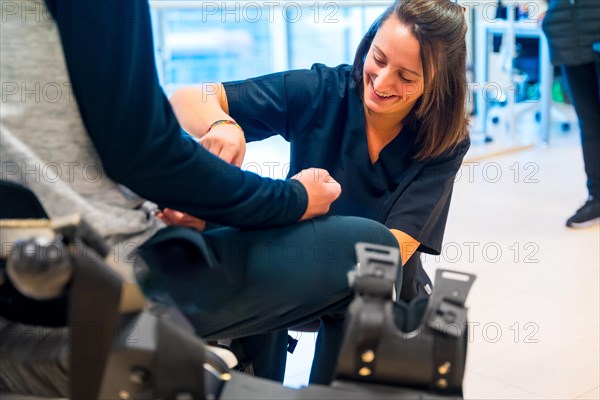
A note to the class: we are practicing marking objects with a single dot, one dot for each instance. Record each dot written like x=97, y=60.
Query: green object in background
x=558, y=95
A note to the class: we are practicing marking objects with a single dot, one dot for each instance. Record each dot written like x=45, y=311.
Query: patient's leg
x=272, y=279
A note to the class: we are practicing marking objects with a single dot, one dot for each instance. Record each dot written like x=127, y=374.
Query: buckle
x=376, y=270
x=448, y=302
x=447, y=316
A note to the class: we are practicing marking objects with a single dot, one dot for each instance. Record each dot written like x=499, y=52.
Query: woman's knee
x=357, y=229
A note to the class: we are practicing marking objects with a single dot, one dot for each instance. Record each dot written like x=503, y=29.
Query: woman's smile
x=380, y=96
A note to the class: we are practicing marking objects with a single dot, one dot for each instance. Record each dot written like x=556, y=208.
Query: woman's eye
x=406, y=80
x=378, y=61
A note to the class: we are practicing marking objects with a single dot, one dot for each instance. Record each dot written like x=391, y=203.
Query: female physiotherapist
x=391, y=128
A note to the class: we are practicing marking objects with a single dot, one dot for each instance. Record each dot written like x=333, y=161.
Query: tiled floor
x=535, y=305
x=544, y=298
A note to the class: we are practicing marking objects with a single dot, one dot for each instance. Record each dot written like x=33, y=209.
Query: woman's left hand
x=178, y=218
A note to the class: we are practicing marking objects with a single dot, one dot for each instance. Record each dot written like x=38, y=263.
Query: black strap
x=179, y=363
x=370, y=326
x=93, y=316
x=447, y=315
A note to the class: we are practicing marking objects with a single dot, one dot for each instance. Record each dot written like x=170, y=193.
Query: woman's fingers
x=160, y=215
x=212, y=145
x=178, y=218
x=221, y=150
x=227, y=143
x=238, y=157
x=321, y=188
x=227, y=154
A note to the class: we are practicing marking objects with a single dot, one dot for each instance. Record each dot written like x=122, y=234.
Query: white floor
x=534, y=308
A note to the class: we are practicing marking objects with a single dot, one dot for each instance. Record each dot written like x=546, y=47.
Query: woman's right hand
x=197, y=107
x=322, y=190
x=226, y=142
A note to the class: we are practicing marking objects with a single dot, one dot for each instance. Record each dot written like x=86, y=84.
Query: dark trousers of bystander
x=583, y=82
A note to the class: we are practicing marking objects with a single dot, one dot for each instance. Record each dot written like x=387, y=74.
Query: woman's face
x=392, y=73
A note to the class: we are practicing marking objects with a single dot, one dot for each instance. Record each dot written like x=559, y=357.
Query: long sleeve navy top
x=110, y=58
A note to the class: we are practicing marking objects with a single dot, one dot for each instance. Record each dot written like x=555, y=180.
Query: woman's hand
x=322, y=190
x=178, y=218
x=226, y=142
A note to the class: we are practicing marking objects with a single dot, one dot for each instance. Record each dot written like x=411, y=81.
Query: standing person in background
x=572, y=28
x=391, y=128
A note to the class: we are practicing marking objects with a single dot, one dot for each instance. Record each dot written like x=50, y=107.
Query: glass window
x=193, y=46
x=230, y=40
x=328, y=33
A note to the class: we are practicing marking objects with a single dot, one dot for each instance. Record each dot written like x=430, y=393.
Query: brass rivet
x=444, y=368
x=442, y=383
x=364, y=371
x=225, y=376
x=138, y=375
x=368, y=356
x=123, y=394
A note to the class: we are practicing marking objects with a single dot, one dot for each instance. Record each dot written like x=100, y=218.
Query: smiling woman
x=391, y=129
x=392, y=83
x=426, y=41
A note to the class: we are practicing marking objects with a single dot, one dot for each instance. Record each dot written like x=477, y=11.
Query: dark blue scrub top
x=321, y=114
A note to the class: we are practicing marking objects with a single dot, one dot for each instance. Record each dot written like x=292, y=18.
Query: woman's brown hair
x=440, y=27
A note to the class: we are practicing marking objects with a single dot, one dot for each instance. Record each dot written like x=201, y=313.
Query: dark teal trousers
x=233, y=283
